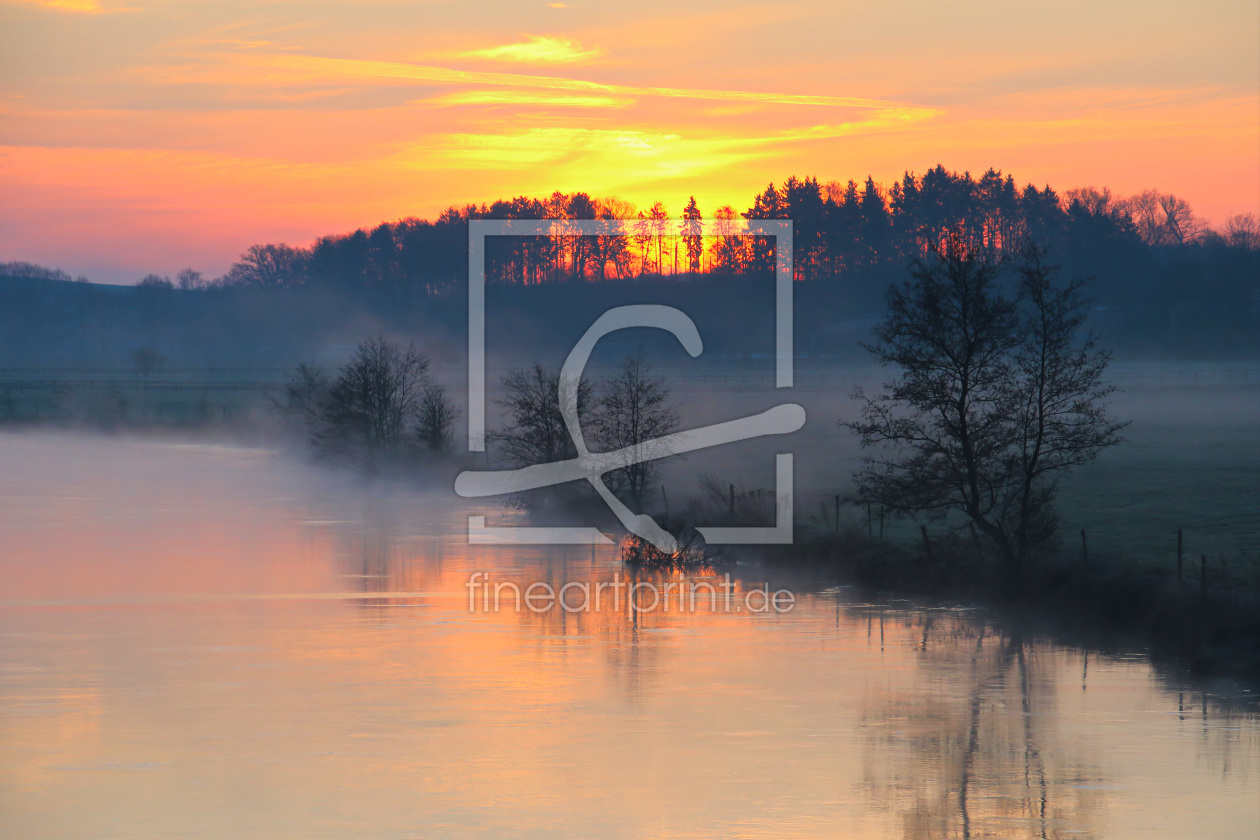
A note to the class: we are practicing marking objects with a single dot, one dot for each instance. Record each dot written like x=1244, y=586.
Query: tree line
x=1166, y=284
x=839, y=228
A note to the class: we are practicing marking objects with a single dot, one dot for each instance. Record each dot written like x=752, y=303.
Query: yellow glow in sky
x=177, y=134
x=542, y=50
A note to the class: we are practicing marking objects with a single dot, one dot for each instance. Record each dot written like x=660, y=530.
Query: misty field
x=122, y=398
x=1191, y=459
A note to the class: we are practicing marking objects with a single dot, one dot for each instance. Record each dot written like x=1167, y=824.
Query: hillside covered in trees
x=1164, y=282
x=839, y=229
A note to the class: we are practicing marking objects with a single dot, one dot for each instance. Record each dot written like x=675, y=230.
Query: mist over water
x=206, y=640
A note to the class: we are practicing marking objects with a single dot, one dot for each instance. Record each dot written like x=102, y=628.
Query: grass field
x=1192, y=462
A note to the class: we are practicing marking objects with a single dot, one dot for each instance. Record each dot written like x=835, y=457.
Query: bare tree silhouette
x=634, y=411
x=996, y=397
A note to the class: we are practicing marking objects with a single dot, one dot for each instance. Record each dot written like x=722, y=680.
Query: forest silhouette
x=1163, y=282
x=838, y=229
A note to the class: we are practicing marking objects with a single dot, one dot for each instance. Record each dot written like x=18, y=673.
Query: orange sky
x=154, y=136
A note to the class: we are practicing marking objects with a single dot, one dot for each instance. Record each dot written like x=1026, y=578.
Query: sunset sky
x=144, y=135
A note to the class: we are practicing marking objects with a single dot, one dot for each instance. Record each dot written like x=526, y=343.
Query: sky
x=142, y=136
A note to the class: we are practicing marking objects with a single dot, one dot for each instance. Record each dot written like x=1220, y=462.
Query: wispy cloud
x=1110, y=98
x=346, y=68
x=240, y=43
x=538, y=49
x=647, y=153
x=88, y=7
x=516, y=97
x=604, y=158
x=84, y=6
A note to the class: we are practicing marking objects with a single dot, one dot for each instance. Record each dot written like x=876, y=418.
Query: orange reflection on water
x=220, y=642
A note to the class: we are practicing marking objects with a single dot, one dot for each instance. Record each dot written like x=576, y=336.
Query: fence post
x=1084, y=549
x=927, y=543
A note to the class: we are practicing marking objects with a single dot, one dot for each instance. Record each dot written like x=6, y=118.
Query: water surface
x=207, y=641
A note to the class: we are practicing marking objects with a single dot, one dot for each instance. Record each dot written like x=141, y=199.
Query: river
x=218, y=641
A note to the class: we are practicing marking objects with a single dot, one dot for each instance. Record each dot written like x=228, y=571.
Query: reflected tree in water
x=974, y=758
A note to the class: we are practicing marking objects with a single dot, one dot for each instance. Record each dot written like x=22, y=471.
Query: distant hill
x=54, y=322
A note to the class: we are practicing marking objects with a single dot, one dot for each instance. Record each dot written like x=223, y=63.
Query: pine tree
x=693, y=237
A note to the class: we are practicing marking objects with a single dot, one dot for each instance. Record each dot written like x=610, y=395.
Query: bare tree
x=304, y=395
x=268, y=265
x=1162, y=219
x=370, y=408
x=634, y=411
x=997, y=397
x=1181, y=224
x=1057, y=397
x=1147, y=216
x=19, y=268
x=435, y=421
x=191, y=280
x=1243, y=231
x=536, y=433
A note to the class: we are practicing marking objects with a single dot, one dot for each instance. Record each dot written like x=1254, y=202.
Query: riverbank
x=1203, y=625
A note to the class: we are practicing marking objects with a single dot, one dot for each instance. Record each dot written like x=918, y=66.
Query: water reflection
x=975, y=754
x=220, y=644
x=970, y=747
